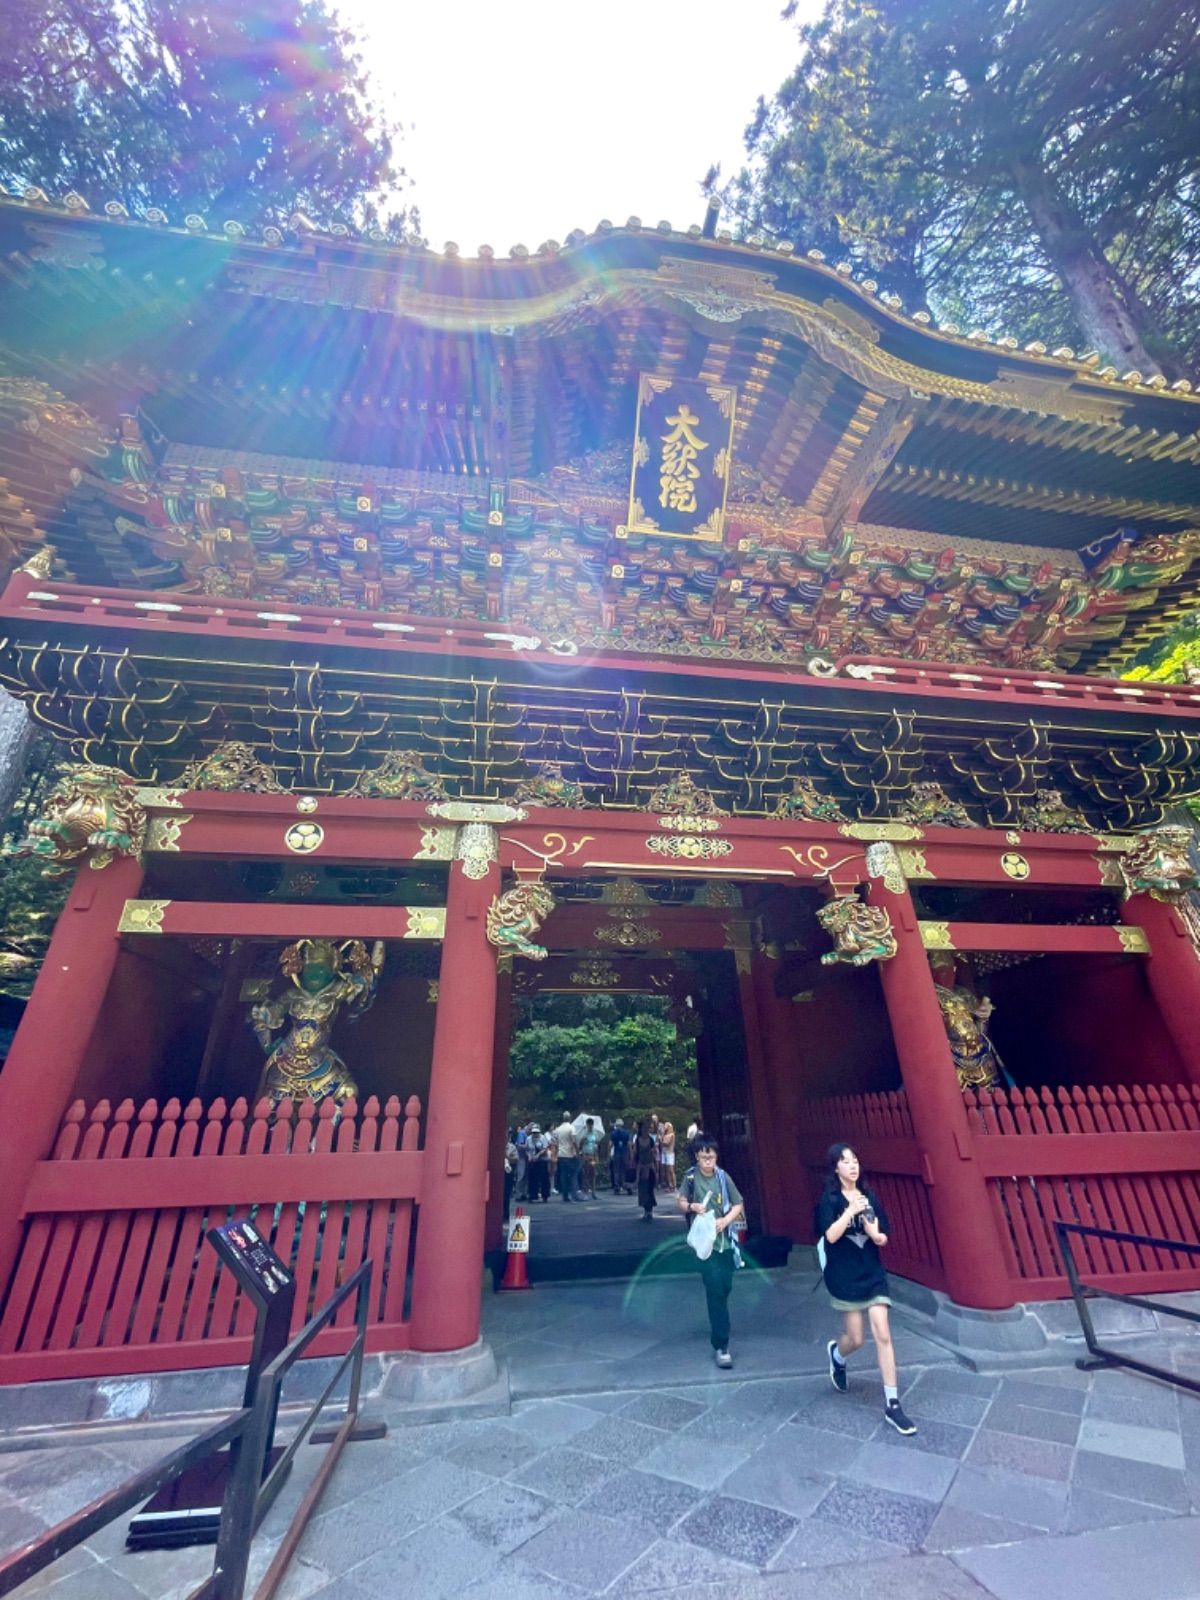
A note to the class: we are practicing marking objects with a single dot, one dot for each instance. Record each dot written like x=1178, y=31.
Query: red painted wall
x=843, y=1037
x=1072, y=1019
x=150, y=1034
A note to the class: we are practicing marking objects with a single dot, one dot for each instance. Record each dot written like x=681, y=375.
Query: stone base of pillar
x=435, y=1378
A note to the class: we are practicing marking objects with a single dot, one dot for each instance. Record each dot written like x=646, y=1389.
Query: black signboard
x=682, y=447
x=188, y=1511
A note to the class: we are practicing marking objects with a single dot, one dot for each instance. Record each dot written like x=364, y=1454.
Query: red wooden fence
x=880, y=1126
x=114, y=1275
x=1127, y=1159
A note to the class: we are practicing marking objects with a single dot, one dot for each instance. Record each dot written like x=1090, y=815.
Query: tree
x=1002, y=160
x=600, y=1053
x=236, y=112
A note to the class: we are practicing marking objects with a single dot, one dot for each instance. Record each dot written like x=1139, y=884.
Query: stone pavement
x=752, y=1485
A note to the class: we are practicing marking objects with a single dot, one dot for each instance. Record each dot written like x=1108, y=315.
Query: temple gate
x=658, y=602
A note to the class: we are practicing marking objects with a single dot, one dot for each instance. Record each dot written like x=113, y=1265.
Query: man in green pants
x=707, y=1187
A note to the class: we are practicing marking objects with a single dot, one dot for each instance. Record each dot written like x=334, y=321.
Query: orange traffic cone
x=515, y=1273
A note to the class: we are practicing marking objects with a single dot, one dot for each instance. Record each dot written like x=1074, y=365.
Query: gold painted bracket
x=166, y=799
x=1133, y=941
x=426, y=922
x=142, y=916
x=914, y=866
x=936, y=935
x=162, y=833
x=437, y=844
x=472, y=811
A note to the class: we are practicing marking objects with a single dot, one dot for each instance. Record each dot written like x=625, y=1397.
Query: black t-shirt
x=853, y=1268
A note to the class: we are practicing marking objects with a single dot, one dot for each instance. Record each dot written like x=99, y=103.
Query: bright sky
x=527, y=118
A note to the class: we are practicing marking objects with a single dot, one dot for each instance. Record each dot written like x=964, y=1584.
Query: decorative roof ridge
x=1062, y=362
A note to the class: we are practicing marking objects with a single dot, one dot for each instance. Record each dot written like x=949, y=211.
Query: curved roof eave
x=722, y=281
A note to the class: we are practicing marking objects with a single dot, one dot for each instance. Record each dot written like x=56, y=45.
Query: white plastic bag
x=702, y=1235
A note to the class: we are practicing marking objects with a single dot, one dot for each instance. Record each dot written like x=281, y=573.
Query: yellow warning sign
x=518, y=1235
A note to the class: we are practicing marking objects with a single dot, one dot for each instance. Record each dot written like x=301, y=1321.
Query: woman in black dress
x=852, y=1227
x=645, y=1160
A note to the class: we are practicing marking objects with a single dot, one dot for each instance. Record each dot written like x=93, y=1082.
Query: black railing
x=1081, y=1292
x=248, y=1494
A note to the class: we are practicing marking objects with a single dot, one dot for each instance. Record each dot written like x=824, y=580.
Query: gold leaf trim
x=880, y=830
x=936, y=936
x=914, y=865
x=1134, y=941
x=142, y=916
x=162, y=833
x=426, y=922
x=686, y=847
x=437, y=844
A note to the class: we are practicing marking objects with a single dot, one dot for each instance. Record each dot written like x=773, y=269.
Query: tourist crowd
x=850, y=1224
x=566, y=1159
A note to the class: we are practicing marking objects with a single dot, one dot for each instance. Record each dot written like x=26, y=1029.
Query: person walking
x=589, y=1155
x=645, y=1162
x=521, y=1186
x=618, y=1157
x=568, y=1160
x=706, y=1187
x=852, y=1229
x=666, y=1156
x=538, y=1156
x=510, y=1170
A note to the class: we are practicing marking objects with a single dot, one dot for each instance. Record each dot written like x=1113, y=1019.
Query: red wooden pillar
x=450, y=1228
x=764, y=1101
x=47, y=1053
x=494, y=1232
x=1173, y=972
x=777, y=1021
x=968, y=1238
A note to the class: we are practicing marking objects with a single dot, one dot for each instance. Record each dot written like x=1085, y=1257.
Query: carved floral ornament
x=516, y=915
x=92, y=813
x=860, y=933
x=401, y=775
x=231, y=767
x=550, y=786
x=681, y=797
x=1160, y=864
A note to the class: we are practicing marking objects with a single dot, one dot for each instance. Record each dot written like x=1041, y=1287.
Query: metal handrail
x=248, y=1494
x=41, y=1552
x=1097, y=1355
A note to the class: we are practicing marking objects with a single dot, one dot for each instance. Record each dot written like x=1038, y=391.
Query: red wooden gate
x=114, y=1275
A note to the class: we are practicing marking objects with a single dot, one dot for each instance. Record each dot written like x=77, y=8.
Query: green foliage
x=1029, y=166
x=243, y=112
x=1169, y=659
x=601, y=1053
x=29, y=901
